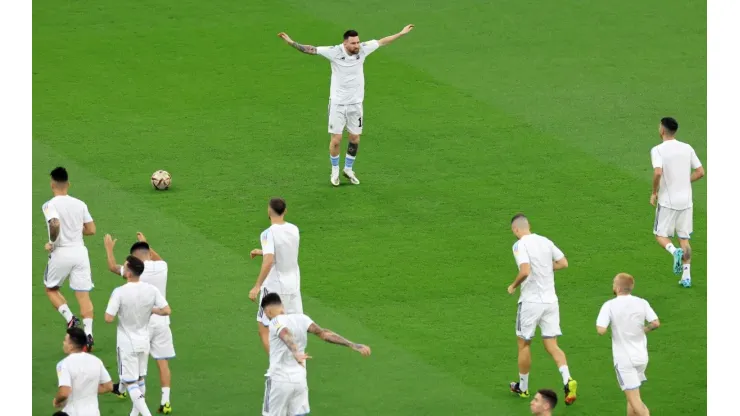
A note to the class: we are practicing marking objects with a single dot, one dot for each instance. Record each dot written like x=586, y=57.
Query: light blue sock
x=334, y=161
x=349, y=161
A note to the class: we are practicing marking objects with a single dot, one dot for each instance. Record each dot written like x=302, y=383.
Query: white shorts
x=285, y=398
x=161, y=346
x=670, y=222
x=345, y=115
x=72, y=262
x=630, y=377
x=292, y=304
x=529, y=316
x=131, y=365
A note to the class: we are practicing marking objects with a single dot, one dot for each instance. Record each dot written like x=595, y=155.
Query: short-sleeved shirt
x=677, y=159
x=72, y=215
x=83, y=373
x=282, y=241
x=283, y=365
x=347, y=74
x=155, y=273
x=627, y=316
x=540, y=253
x=133, y=304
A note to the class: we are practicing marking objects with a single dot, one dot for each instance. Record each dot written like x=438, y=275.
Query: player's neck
x=524, y=234
x=59, y=192
x=667, y=138
x=277, y=221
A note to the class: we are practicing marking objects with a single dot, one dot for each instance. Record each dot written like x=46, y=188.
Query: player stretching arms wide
x=82, y=377
x=286, y=388
x=161, y=346
x=347, y=92
x=538, y=258
x=673, y=162
x=134, y=303
x=68, y=219
x=627, y=315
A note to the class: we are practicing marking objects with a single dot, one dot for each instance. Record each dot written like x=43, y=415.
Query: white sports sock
x=88, y=325
x=670, y=248
x=66, y=313
x=565, y=373
x=137, y=397
x=686, y=272
x=142, y=387
x=523, y=382
x=165, y=395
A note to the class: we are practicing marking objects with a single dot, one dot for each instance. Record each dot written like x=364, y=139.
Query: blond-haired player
x=627, y=315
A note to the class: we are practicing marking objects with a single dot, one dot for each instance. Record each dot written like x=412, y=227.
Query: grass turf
x=483, y=111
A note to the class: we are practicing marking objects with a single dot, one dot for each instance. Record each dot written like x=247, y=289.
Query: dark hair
x=60, y=175
x=270, y=299
x=350, y=34
x=550, y=397
x=135, y=265
x=517, y=216
x=670, y=124
x=77, y=336
x=278, y=205
x=139, y=245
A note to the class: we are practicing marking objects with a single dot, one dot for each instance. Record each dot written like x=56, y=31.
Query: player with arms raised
x=627, y=315
x=537, y=258
x=286, y=387
x=675, y=166
x=68, y=219
x=347, y=93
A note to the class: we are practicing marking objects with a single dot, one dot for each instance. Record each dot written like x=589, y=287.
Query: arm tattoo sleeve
x=333, y=338
x=308, y=49
x=287, y=338
x=54, y=228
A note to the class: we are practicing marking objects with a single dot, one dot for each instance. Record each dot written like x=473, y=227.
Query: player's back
x=73, y=214
x=627, y=315
x=283, y=365
x=539, y=287
x=155, y=273
x=285, y=271
x=678, y=158
x=137, y=299
x=85, y=372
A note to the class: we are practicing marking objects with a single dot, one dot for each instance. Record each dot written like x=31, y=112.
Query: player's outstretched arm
x=109, y=244
x=307, y=49
x=334, y=338
x=390, y=39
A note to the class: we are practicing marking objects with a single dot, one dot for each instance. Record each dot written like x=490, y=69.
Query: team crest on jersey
x=516, y=248
x=59, y=370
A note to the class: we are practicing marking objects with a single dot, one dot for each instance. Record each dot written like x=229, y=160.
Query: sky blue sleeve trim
x=163, y=358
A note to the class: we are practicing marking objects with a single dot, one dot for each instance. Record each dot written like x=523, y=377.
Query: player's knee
x=354, y=138
x=54, y=289
x=336, y=139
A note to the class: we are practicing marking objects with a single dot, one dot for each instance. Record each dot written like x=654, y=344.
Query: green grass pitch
x=486, y=109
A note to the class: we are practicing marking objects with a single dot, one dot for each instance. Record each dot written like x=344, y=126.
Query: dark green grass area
x=486, y=109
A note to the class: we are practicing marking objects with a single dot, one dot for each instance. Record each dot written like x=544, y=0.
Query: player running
x=134, y=303
x=675, y=166
x=543, y=403
x=347, y=92
x=627, y=315
x=161, y=346
x=537, y=258
x=82, y=377
x=67, y=220
x=279, y=272
x=286, y=387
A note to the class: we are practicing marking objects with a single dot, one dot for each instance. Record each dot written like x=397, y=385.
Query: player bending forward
x=161, y=346
x=673, y=162
x=134, y=303
x=82, y=377
x=538, y=258
x=67, y=220
x=347, y=93
x=286, y=387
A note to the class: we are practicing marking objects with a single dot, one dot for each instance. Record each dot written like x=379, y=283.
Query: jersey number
x=360, y=121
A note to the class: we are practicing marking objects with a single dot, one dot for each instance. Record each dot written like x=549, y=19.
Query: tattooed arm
x=287, y=337
x=307, y=49
x=334, y=338
x=54, y=228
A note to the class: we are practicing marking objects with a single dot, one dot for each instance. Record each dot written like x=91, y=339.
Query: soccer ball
x=161, y=180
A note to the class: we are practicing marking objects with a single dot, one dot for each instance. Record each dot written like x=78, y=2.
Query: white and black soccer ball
x=161, y=180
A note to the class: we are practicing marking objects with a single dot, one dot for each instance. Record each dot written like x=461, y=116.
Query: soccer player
x=537, y=258
x=347, y=92
x=279, y=272
x=627, y=315
x=133, y=304
x=675, y=166
x=543, y=403
x=67, y=220
x=286, y=388
x=82, y=377
x=161, y=346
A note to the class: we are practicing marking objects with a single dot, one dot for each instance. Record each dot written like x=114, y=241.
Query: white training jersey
x=133, y=304
x=539, y=252
x=282, y=240
x=283, y=365
x=83, y=373
x=155, y=273
x=347, y=74
x=677, y=159
x=627, y=316
x=72, y=214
